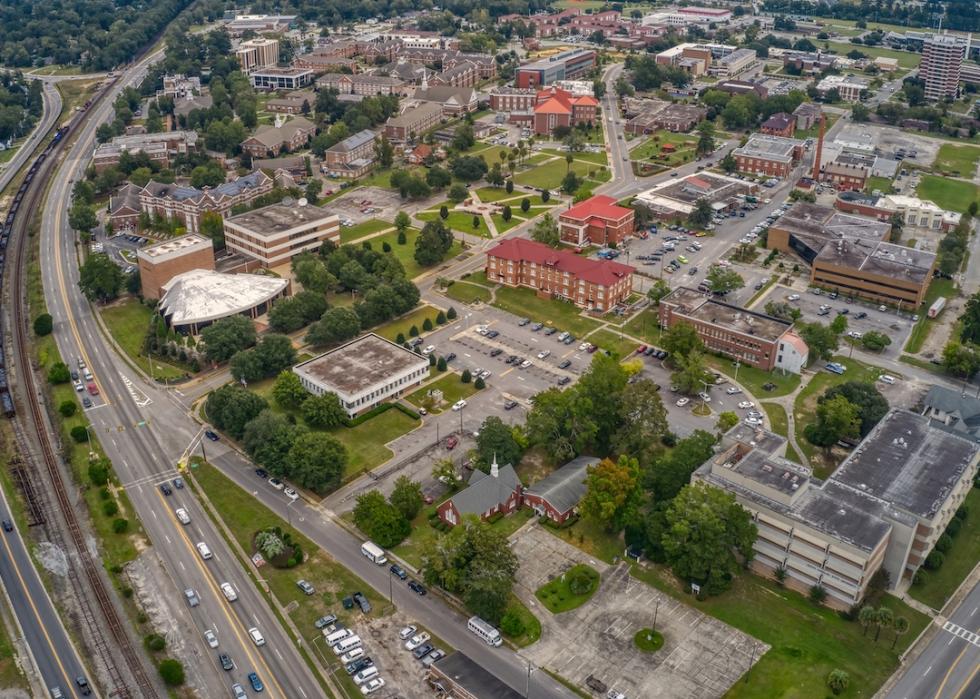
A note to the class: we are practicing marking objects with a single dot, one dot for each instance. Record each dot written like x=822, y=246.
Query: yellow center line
x=966, y=682
x=949, y=672
x=222, y=601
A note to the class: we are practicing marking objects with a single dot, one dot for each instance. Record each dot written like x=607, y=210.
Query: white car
x=746, y=404
x=276, y=483
x=486, y=374
x=459, y=405
x=407, y=632
x=704, y=396
x=203, y=549
x=753, y=422
x=681, y=402
x=211, y=638
x=525, y=364
x=732, y=390
x=543, y=353
x=372, y=686
x=229, y=592
x=352, y=654
x=290, y=493
x=429, y=350
x=793, y=297
x=182, y=515
x=256, y=635
x=416, y=640
x=583, y=347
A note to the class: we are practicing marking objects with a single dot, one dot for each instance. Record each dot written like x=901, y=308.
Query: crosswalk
x=965, y=634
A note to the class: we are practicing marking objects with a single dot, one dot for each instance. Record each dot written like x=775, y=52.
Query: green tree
x=657, y=291
x=463, y=138
x=837, y=418
x=99, y=278
x=324, y=410
x=335, y=326
x=288, y=390
x=729, y=164
x=433, y=243
x=81, y=217
x=884, y=618
x=497, y=440
x=231, y=407
x=642, y=420
x=384, y=152
x=701, y=213
x=267, y=438
x=612, y=492
x=839, y=324
x=570, y=183
x=317, y=461
x=171, y=672
x=43, y=325
x=226, y=336
x=960, y=360
x=506, y=214
x=722, y=280
x=867, y=617
x=402, y=221
x=668, y=473
x=213, y=227
x=458, y=193
x=68, y=408
x=406, y=497
x=681, y=339
x=726, y=421
x=692, y=373
x=560, y=424
x=870, y=404
x=380, y=520
x=545, y=231
x=821, y=340
x=598, y=391
x=706, y=138
x=708, y=533
x=59, y=373
x=900, y=627
x=970, y=320
x=875, y=341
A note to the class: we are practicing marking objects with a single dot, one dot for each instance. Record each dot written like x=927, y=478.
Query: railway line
x=113, y=646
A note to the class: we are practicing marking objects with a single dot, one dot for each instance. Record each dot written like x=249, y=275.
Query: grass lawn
x=957, y=160
x=372, y=225
x=10, y=674
x=953, y=195
x=458, y=221
x=808, y=641
x=402, y=325
x=557, y=595
x=651, y=149
x=620, y=347
x=244, y=516
x=492, y=194
x=777, y=418
x=960, y=559
x=532, y=627
x=591, y=537
x=905, y=59
x=452, y=390
x=645, y=325
x=465, y=292
x=516, y=219
x=366, y=443
x=920, y=331
x=814, y=130
x=550, y=175
x=128, y=322
x=406, y=253
x=883, y=184
x=563, y=315
x=586, y=156
x=754, y=379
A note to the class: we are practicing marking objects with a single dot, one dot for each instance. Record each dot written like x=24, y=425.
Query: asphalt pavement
x=52, y=108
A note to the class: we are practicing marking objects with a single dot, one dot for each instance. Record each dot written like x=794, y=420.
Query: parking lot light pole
x=461, y=422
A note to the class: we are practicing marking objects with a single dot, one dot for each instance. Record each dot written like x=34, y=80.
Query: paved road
x=139, y=428
x=949, y=667
x=52, y=108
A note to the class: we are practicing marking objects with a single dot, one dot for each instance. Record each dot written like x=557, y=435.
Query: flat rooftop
x=817, y=225
x=877, y=257
x=767, y=147
x=701, y=185
x=465, y=673
x=170, y=249
x=360, y=364
x=279, y=218
x=907, y=462
x=697, y=306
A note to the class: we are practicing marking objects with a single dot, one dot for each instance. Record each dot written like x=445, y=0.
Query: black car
x=416, y=342
x=179, y=483
x=398, y=571
x=8, y=526
x=356, y=666
x=225, y=661
x=165, y=488
x=565, y=364
x=450, y=357
x=496, y=352
x=417, y=587
x=211, y=435
x=423, y=650
x=510, y=404
x=513, y=359
x=86, y=402
x=492, y=334
x=759, y=285
x=563, y=380
x=861, y=315
x=261, y=473
x=83, y=686
x=74, y=375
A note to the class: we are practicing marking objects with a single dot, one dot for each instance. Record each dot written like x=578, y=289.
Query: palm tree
x=885, y=618
x=901, y=627
x=568, y=162
x=867, y=616
x=502, y=155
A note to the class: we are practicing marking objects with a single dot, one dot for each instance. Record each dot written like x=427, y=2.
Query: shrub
x=920, y=577
x=963, y=512
x=935, y=560
x=953, y=528
x=79, y=434
x=386, y=247
x=467, y=376
x=479, y=384
x=413, y=331
x=120, y=525
x=172, y=672
x=441, y=318
x=669, y=439
x=402, y=239
x=581, y=581
x=451, y=313
x=512, y=624
x=400, y=339
x=43, y=325
x=817, y=594
x=427, y=325
x=110, y=508
x=68, y=408
x=98, y=474
x=944, y=543
x=154, y=642
x=59, y=373
x=441, y=364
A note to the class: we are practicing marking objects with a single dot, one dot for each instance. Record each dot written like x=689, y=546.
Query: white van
x=337, y=636
x=257, y=636
x=886, y=378
x=366, y=674
x=87, y=374
x=182, y=515
x=347, y=644
x=203, y=549
x=373, y=553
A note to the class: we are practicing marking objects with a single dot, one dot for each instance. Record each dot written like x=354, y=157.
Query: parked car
x=423, y=651
x=213, y=436
x=276, y=483
x=358, y=665
x=745, y=405
x=398, y=571
x=325, y=621
x=416, y=641
x=417, y=587
x=681, y=402
x=306, y=587
x=565, y=363
x=451, y=442
x=372, y=685
x=459, y=405
x=407, y=632
x=510, y=404
x=362, y=602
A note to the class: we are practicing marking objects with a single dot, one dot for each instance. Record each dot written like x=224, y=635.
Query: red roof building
x=592, y=284
x=598, y=220
x=556, y=107
x=779, y=124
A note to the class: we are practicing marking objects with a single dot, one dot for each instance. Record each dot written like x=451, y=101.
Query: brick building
x=513, y=99
x=555, y=107
x=497, y=492
x=161, y=148
x=557, y=495
x=769, y=155
x=779, y=124
x=366, y=85
x=596, y=221
x=124, y=208
x=592, y=284
x=453, y=100
x=160, y=263
x=187, y=204
x=267, y=139
x=351, y=157
x=752, y=338
x=807, y=115
x=413, y=122
x=567, y=65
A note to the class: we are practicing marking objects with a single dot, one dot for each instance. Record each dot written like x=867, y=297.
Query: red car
x=451, y=443
x=93, y=389
x=641, y=349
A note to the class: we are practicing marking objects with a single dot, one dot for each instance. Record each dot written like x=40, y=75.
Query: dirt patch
x=534, y=467
x=52, y=559
x=402, y=673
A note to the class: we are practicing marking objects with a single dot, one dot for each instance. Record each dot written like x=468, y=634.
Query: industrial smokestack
x=819, y=154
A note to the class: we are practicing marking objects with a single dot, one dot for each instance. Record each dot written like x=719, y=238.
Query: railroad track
x=101, y=618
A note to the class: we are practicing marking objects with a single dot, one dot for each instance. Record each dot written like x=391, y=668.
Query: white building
x=364, y=373
x=685, y=16
x=848, y=87
x=274, y=234
x=920, y=213
x=193, y=300
x=792, y=353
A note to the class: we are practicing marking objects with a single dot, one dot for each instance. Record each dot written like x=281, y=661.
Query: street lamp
x=527, y=682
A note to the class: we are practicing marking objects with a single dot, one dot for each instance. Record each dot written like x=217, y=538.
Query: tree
x=43, y=325
x=546, y=231
x=729, y=164
x=657, y=291
x=458, y=192
x=313, y=274
x=267, y=438
x=81, y=217
x=706, y=138
x=971, y=320
x=380, y=520
x=288, y=390
x=506, y=214
x=496, y=441
x=837, y=418
x=384, y=152
x=707, y=535
x=324, y=410
x=468, y=168
x=821, y=340
x=681, y=339
x=883, y=618
x=99, y=278
x=444, y=471
x=509, y=187
x=525, y=204
x=335, y=326
x=727, y=420
x=272, y=354
x=223, y=338
x=68, y=408
x=900, y=627
x=317, y=461
x=722, y=280
x=838, y=681
x=612, y=492
x=171, y=672
x=692, y=373
x=213, y=226
x=867, y=617
x=701, y=213
x=838, y=324
x=463, y=138
x=231, y=407
x=402, y=221
x=666, y=475
x=433, y=243
x=59, y=373
x=598, y=392
x=570, y=183
x=313, y=189
x=406, y=497
x=643, y=420
x=870, y=404
x=960, y=360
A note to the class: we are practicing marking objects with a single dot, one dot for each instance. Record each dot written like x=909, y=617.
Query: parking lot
x=862, y=316
x=701, y=657
x=365, y=203
x=121, y=247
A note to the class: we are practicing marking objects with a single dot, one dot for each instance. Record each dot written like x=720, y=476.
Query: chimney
x=494, y=469
x=819, y=154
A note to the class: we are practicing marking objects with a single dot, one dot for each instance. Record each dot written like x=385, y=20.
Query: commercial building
x=686, y=16
x=274, y=234
x=942, y=56
x=486, y=495
x=457, y=676
x=676, y=199
x=351, y=157
x=239, y=24
x=752, y=338
x=364, y=372
x=733, y=64
x=271, y=140
x=160, y=263
x=769, y=155
x=848, y=87
x=161, y=148
x=413, y=122
x=808, y=63
x=721, y=60
x=676, y=117
x=193, y=300
x=779, y=124
x=884, y=507
x=566, y=65
x=596, y=221
x=592, y=284
x=187, y=204
x=258, y=53
x=558, y=494
x=292, y=78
